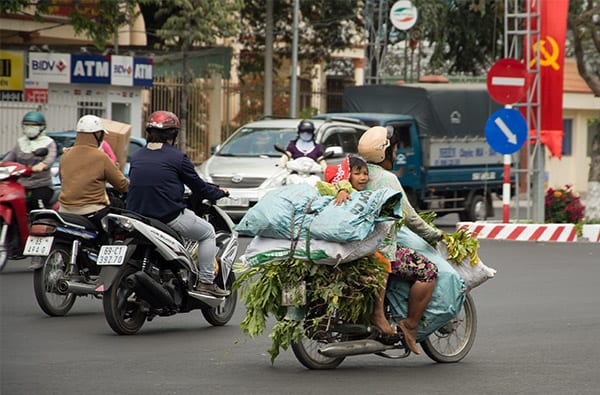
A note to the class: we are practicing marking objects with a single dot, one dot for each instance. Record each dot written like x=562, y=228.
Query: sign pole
x=506, y=185
x=506, y=190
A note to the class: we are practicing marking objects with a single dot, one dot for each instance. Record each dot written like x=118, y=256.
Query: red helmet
x=162, y=120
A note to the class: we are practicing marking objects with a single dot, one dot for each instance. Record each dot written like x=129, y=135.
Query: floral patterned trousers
x=412, y=266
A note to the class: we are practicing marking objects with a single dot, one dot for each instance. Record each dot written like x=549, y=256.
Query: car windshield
x=257, y=142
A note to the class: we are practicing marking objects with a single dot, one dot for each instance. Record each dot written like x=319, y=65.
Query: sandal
x=409, y=337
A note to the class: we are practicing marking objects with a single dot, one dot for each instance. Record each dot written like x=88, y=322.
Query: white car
x=246, y=163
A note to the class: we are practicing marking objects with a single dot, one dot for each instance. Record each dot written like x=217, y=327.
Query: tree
x=325, y=26
x=192, y=24
x=583, y=24
x=583, y=27
x=98, y=19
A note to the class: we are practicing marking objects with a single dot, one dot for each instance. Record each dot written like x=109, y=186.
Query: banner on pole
x=551, y=47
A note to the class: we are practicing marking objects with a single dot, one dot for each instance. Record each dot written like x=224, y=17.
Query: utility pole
x=268, y=102
x=294, y=81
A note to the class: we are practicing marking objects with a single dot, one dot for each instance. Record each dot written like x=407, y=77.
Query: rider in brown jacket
x=84, y=171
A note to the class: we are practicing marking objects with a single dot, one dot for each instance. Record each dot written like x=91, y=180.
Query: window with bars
x=90, y=108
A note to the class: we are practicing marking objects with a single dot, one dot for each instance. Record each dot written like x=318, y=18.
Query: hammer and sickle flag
x=551, y=47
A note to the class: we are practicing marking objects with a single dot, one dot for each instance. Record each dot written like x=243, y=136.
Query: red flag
x=551, y=46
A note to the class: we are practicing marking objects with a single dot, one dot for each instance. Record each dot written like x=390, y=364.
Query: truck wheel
x=475, y=211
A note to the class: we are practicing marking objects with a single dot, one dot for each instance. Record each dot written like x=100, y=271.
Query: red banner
x=551, y=47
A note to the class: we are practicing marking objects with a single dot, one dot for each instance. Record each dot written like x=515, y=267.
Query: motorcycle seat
x=155, y=223
x=78, y=220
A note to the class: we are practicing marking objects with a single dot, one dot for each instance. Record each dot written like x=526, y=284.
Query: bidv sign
x=130, y=71
x=90, y=69
x=49, y=67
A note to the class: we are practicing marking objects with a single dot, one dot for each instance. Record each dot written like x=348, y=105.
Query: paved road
x=537, y=334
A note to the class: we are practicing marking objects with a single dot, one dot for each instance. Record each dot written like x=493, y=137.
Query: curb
x=531, y=232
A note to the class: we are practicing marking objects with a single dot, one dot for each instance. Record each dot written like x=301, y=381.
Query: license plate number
x=294, y=295
x=111, y=255
x=239, y=202
x=38, y=245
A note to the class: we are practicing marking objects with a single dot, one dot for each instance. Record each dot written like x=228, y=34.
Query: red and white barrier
x=591, y=232
x=523, y=232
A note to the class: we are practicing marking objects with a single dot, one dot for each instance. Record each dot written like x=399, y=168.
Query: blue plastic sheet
x=448, y=295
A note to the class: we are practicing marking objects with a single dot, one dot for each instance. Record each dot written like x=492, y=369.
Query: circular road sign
x=507, y=81
x=403, y=15
x=506, y=131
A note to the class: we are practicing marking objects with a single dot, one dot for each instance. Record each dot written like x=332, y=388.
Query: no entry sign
x=507, y=81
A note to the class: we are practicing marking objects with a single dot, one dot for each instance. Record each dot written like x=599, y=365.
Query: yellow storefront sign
x=11, y=70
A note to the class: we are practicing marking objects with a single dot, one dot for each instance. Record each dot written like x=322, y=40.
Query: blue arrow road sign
x=506, y=131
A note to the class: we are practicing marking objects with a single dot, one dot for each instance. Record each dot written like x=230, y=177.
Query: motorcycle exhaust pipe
x=354, y=347
x=77, y=288
x=150, y=290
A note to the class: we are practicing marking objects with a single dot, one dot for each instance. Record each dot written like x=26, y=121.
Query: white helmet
x=90, y=124
x=373, y=143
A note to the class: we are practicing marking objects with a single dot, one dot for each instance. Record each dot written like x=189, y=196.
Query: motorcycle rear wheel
x=452, y=342
x=307, y=352
x=122, y=312
x=45, y=280
x=219, y=316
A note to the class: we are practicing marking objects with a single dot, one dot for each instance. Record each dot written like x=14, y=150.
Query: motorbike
x=64, y=250
x=148, y=270
x=303, y=170
x=14, y=225
x=326, y=344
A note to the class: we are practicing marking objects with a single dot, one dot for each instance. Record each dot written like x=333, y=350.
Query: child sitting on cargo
x=351, y=175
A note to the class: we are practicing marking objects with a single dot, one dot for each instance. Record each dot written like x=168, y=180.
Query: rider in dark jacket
x=158, y=174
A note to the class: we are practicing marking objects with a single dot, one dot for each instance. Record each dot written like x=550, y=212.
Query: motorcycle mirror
x=41, y=151
x=334, y=151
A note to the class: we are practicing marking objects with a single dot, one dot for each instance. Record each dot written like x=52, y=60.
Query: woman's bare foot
x=410, y=335
x=382, y=324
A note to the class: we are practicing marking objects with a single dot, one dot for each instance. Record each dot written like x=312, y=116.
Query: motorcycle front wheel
x=121, y=309
x=45, y=282
x=220, y=315
x=453, y=341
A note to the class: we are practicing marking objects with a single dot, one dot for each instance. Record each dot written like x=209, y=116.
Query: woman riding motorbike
x=378, y=146
x=39, y=187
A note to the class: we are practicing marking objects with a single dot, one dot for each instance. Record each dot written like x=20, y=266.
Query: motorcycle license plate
x=294, y=295
x=111, y=255
x=233, y=202
x=38, y=245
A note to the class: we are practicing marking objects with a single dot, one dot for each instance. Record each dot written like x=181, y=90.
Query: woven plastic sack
x=281, y=212
x=295, y=212
x=448, y=295
x=473, y=276
x=356, y=219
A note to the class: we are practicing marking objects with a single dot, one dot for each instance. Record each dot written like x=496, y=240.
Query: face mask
x=31, y=131
x=305, y=136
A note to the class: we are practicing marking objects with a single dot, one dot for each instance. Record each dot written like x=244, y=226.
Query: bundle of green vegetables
x=349, y=289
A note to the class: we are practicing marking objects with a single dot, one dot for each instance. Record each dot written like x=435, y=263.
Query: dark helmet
x=306, y=126
x=34, y=118
x=163, y=123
